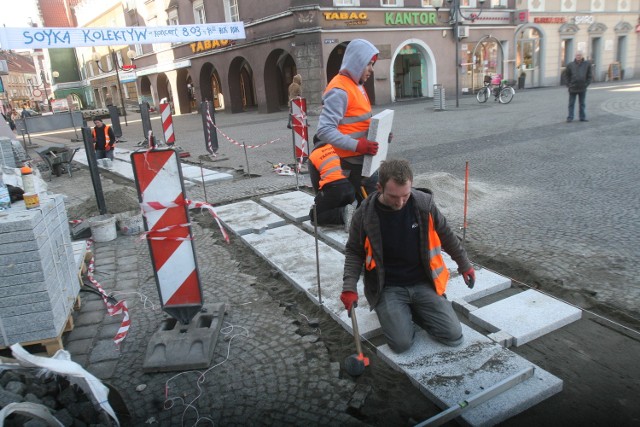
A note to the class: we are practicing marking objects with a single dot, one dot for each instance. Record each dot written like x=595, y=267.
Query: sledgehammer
x=355, y=363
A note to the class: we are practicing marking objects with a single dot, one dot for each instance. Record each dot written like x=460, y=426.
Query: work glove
x=348, y=298
x=367, y=147
x=469, y=277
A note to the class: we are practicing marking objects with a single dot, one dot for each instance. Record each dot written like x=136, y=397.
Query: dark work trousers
x=582, y=110
x=330, y=201
x=354, y=175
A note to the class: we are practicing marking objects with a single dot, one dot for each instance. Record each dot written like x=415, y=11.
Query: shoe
x=584, y=120
x=347, y=215
x=569, y=120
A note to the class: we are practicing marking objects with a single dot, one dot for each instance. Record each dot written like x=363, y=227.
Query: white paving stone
x=525, y=316
x=294, y=205
x=487, y=283
x=248, y=217
x=449, y=375
x=334, y=234
x=196, y=174
x=292, y=251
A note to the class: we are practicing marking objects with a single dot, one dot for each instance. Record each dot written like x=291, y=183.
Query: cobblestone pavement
x=552, y=203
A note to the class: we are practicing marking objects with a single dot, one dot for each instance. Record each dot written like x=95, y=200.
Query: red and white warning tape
x=112, y=309
x=233, y=141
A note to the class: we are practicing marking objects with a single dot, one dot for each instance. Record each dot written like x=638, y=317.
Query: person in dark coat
x=579, y=76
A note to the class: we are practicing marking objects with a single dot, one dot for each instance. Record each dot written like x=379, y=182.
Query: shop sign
x=549, y=20
x=411, y=18
x=330, y=41
x=492, y=18
x=522, y=16
x=583, y=19
x=209, y=45
x=344, y=16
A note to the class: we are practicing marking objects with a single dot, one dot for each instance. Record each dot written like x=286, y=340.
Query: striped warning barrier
x=158, y=178
x=167, y=124
x=300, y=129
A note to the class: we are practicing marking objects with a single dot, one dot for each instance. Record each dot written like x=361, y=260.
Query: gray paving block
x=449, y=375
x=525, y=316
x=294, y=205
x=487, y=283
x=292, y=251
x=248, y=217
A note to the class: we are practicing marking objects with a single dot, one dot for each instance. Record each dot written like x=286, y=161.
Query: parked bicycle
x=497, y=87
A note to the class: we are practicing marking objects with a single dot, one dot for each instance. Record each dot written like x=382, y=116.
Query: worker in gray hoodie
x=346, y=114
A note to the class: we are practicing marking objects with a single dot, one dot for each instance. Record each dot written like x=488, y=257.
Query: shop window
x=392, y=3
x=172, y=18
x=426, y=3
x=198, y=12
x=346, y=2
x=231, y=13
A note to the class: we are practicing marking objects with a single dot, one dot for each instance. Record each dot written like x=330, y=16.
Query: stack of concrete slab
x=39, y=277
x=277, y=228
x=121, y=165
x=7, y=159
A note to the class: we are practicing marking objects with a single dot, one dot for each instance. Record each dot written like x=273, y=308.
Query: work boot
x=347, y=215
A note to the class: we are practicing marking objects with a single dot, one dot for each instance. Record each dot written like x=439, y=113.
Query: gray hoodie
x=356, y=58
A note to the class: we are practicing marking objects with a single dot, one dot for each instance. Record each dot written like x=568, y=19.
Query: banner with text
x=49, y=38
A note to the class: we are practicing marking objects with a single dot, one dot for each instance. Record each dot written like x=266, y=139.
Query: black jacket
x=578, y=75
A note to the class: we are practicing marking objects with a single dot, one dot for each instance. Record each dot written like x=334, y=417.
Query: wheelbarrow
x=57, y=158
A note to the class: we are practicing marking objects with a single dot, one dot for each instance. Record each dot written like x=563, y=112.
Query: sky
x=16, y=13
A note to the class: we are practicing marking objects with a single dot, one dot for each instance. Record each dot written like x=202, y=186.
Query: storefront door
x=528, y=56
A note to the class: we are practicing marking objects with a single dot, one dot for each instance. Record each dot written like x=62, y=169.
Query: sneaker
x=584, y=120
x=569, y=120
x=347, y=215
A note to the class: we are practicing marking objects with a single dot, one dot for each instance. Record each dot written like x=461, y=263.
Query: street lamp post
x=455, y=16
x=44, y=84
x=114, y=60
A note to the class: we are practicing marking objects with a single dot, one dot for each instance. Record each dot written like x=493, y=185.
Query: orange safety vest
x=107, y=140
x=327, y=162
x=355, y=122
x=439, y=271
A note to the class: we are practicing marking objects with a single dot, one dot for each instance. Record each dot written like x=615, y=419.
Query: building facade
x=23, y=86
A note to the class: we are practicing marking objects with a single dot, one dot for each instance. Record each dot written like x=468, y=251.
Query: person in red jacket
x=398, y=235
x=104, y=140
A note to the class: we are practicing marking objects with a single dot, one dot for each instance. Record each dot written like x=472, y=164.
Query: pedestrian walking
x=398, y=235
x=295, y=91
x=346, y=114
x=579, y=76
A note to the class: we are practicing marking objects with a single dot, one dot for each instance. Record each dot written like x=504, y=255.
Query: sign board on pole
x=379, y=130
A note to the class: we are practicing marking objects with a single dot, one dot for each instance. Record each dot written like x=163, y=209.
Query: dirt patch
x=119, y=200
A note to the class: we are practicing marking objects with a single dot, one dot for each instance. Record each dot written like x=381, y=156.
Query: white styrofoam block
x=525, y=316
x=294, y=205
x=247, y=217
x=449, y=375
x=379, y=130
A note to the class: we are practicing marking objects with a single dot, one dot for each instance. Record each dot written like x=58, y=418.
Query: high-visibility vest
x=437, y=267
x=327, y=163
x=107, y=140
x=355, y=122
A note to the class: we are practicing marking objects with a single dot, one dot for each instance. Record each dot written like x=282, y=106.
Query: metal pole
x=115, y=65
x=315, y=234
x=246, y=158
x=455, y=35
x=466, y=191
x=93, y=170
x=44, y=85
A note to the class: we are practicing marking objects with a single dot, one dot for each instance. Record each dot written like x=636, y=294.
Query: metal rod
x=466, y=192
x=116, y=66
x=479, y=398
x=315, y=234
x=246, y=158
x=293, y=141
x=203, y=183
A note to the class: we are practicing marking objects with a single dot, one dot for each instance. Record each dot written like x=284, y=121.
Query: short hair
x=396, y=169
x=96, y=119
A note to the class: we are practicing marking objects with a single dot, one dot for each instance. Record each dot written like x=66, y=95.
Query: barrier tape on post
x=112, y=309
x=300, y=132
x=209, y=141
x=233, y=141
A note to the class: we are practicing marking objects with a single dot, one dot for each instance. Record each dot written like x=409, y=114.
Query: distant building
x=22, y=85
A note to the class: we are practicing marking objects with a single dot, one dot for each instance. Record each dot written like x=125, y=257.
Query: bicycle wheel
x=506, y=94
x=482, y=95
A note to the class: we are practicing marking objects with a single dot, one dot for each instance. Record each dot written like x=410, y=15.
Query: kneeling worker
x=335, y=196
x=398, y=233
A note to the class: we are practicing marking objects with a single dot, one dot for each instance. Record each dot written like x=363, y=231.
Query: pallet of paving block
x=51, y=345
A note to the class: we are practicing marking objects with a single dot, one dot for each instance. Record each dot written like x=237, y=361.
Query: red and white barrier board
x=158, y=179
x=167, y=124
x=300, y=128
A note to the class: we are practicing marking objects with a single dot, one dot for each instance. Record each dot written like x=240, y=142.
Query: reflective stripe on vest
x=327, y=163
x=355, y=122
x=369, y=262
x=439, y=271
x=107, y=140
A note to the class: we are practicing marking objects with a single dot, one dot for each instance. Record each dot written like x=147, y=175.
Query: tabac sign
x=47, y=38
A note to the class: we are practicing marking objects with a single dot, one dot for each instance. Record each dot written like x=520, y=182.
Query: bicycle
x=503, y=92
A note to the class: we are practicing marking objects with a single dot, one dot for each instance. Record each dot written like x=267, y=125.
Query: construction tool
x=315, y=235
x=355, y=364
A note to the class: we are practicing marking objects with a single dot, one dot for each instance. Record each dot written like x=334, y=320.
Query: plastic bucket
x=130, y=223
x=103, y=228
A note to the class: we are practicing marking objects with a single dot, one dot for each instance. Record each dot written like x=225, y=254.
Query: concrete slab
x=292, y=251
x=487, y=283
x=448, y=375
x=294, y=205
x=197, y=175
x=333, y=234
x=248, y=217
x=178, y=347
x=379, y=130
x=525, y=316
